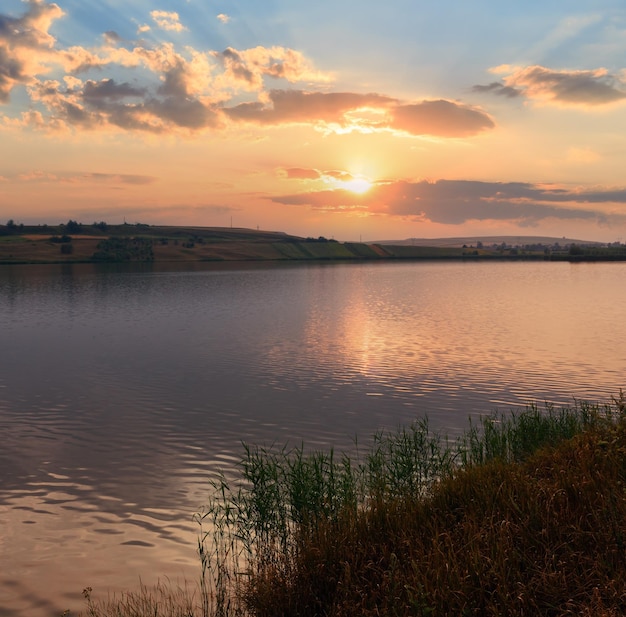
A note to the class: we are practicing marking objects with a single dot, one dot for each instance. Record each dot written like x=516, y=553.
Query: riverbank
x=524, y=515
x=76, y=243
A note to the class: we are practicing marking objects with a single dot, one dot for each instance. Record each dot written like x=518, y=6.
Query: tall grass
x=161, y=600
x=275, y=542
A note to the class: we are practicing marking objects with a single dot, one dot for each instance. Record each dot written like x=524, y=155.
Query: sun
x=356, y=185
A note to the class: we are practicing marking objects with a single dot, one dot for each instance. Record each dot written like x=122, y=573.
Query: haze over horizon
x=349, y=120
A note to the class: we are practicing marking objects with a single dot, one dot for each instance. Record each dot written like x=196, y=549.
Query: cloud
x=164, y=89
x=24, y=42
x=100, y=93
x=223, y=18
x=94, y=105
x=167, y=20
x=299, y=173
x=300, y=106
x=247, y=68
x=303, y=173
x=588, y=88
x=440, y=118
x=85, y=178
x=498, y=89
x=455, y=202
x=112, y=37
x=135, y=179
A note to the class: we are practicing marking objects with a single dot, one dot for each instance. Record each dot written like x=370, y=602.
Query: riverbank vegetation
x=524, y=514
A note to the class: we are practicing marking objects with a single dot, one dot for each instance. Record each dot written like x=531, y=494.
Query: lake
x=124, y=388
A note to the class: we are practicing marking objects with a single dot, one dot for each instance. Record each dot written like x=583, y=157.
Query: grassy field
x=525, y=514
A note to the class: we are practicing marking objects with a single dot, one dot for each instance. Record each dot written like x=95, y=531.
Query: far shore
x=100, y=242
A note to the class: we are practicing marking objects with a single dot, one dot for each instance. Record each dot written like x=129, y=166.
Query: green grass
x=524, y=514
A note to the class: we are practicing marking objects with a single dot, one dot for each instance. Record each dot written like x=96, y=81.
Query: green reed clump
x=514, y=436
x=303, y=532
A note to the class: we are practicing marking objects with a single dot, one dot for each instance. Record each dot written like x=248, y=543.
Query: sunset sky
x=347, y=119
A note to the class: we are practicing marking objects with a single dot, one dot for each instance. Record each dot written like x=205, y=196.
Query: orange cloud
x=299, y=173
x=167, y=20
x=24, y=43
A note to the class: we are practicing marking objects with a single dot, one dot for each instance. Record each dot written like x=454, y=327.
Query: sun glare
x=355, y=185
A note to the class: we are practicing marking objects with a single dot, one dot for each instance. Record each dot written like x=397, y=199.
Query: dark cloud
x=112, y=37
x=581, y=88
x=185, y=113
x=455, y=202
x=175, y=82
x=237, y=66
x=498, y=89
x=577, y=87
x=109, y=90
x=10, y=73
x=99, y=104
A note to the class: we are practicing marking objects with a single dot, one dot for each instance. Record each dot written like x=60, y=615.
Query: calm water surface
x=122, y=389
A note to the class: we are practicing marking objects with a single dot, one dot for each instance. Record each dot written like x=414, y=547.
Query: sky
x=348, y=119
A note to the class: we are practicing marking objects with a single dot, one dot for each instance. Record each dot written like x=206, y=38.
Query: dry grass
x=160, y=600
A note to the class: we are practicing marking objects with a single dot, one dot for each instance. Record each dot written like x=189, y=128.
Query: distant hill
x=486, y=240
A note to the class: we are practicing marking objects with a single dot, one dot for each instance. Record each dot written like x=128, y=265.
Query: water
x=122, y=389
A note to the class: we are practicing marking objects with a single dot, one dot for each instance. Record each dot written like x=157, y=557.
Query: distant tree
x=73, y=227
x=67, y=249
x=64, y=239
